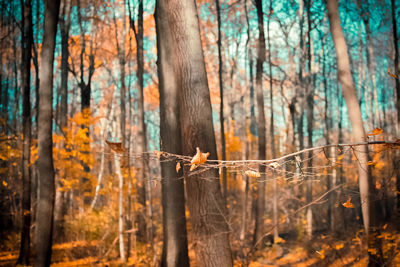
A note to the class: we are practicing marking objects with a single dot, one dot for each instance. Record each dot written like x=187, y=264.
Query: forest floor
x=324, y=250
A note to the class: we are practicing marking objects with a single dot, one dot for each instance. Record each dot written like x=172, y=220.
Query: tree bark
x=205, y=201
x=61, y=204
x=121, y=59
x=45, y=160
x=350, y=95
x=260, y=197
x=221, y=106
x=397, y=81
x=144, y=229
x=272, y=131
x=310, y=122
x=175, y=246
x=26, y=53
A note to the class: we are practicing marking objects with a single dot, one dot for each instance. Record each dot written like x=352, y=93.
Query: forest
x=199, y=133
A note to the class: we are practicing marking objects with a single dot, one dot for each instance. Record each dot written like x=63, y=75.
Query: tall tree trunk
x=175, y=246
x=249, y=124
x=310, y=122
x=45, y=160
x=260, y=208
x=61, y=204
x=143, y=226
x=272, y=131
x=121, y=59
x=350, y=96
x=397, y=81
x=221, y=106
x=205, y=201
x=26, y=53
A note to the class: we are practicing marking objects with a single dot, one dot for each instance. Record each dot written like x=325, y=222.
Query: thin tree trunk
x=310, y=123
x=397, y=81
x=221, y=106
x=121, y=57
x=144, y=225
x=117, y=159
x=61, y=205
x=260, y=198
x=350, y=96
x=45, y=160
x=243, y=229
x=27, y=39
x=272, y=131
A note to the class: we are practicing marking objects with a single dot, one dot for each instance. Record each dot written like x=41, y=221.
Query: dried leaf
x=157, y=153
x=253, y=174
x=116, y=146
x=275, y=165
x=192, y=167
x=348, y=204
x=200, y=157
x=376, y=131
x=391, y=74
x=178, y=167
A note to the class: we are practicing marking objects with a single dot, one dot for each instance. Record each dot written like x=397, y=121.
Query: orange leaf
x=192, y=167
x=200, y=157
x=348, y=204
x=376, y=131
x=116, y=146
x=158, y=153
x=178, y=167
x=339, y=246
x=391, y=74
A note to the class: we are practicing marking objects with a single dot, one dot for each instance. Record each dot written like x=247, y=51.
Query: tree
x=143, y=227
x=397, y=81
x=205, y=201
x=221, y=106
x=175, y=247
x=61, y=204
x=350, y=95
x=45, y=166
x=310, y=120
x=260, y=208
x=26, y=56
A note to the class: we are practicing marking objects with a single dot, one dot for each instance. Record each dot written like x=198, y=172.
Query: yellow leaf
x=178, y=167
x=5, y=183
x=253, y=174
x=279, y=240
x=348, y=204
x=369, y=163
x=339, y=246
x=376, y=131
